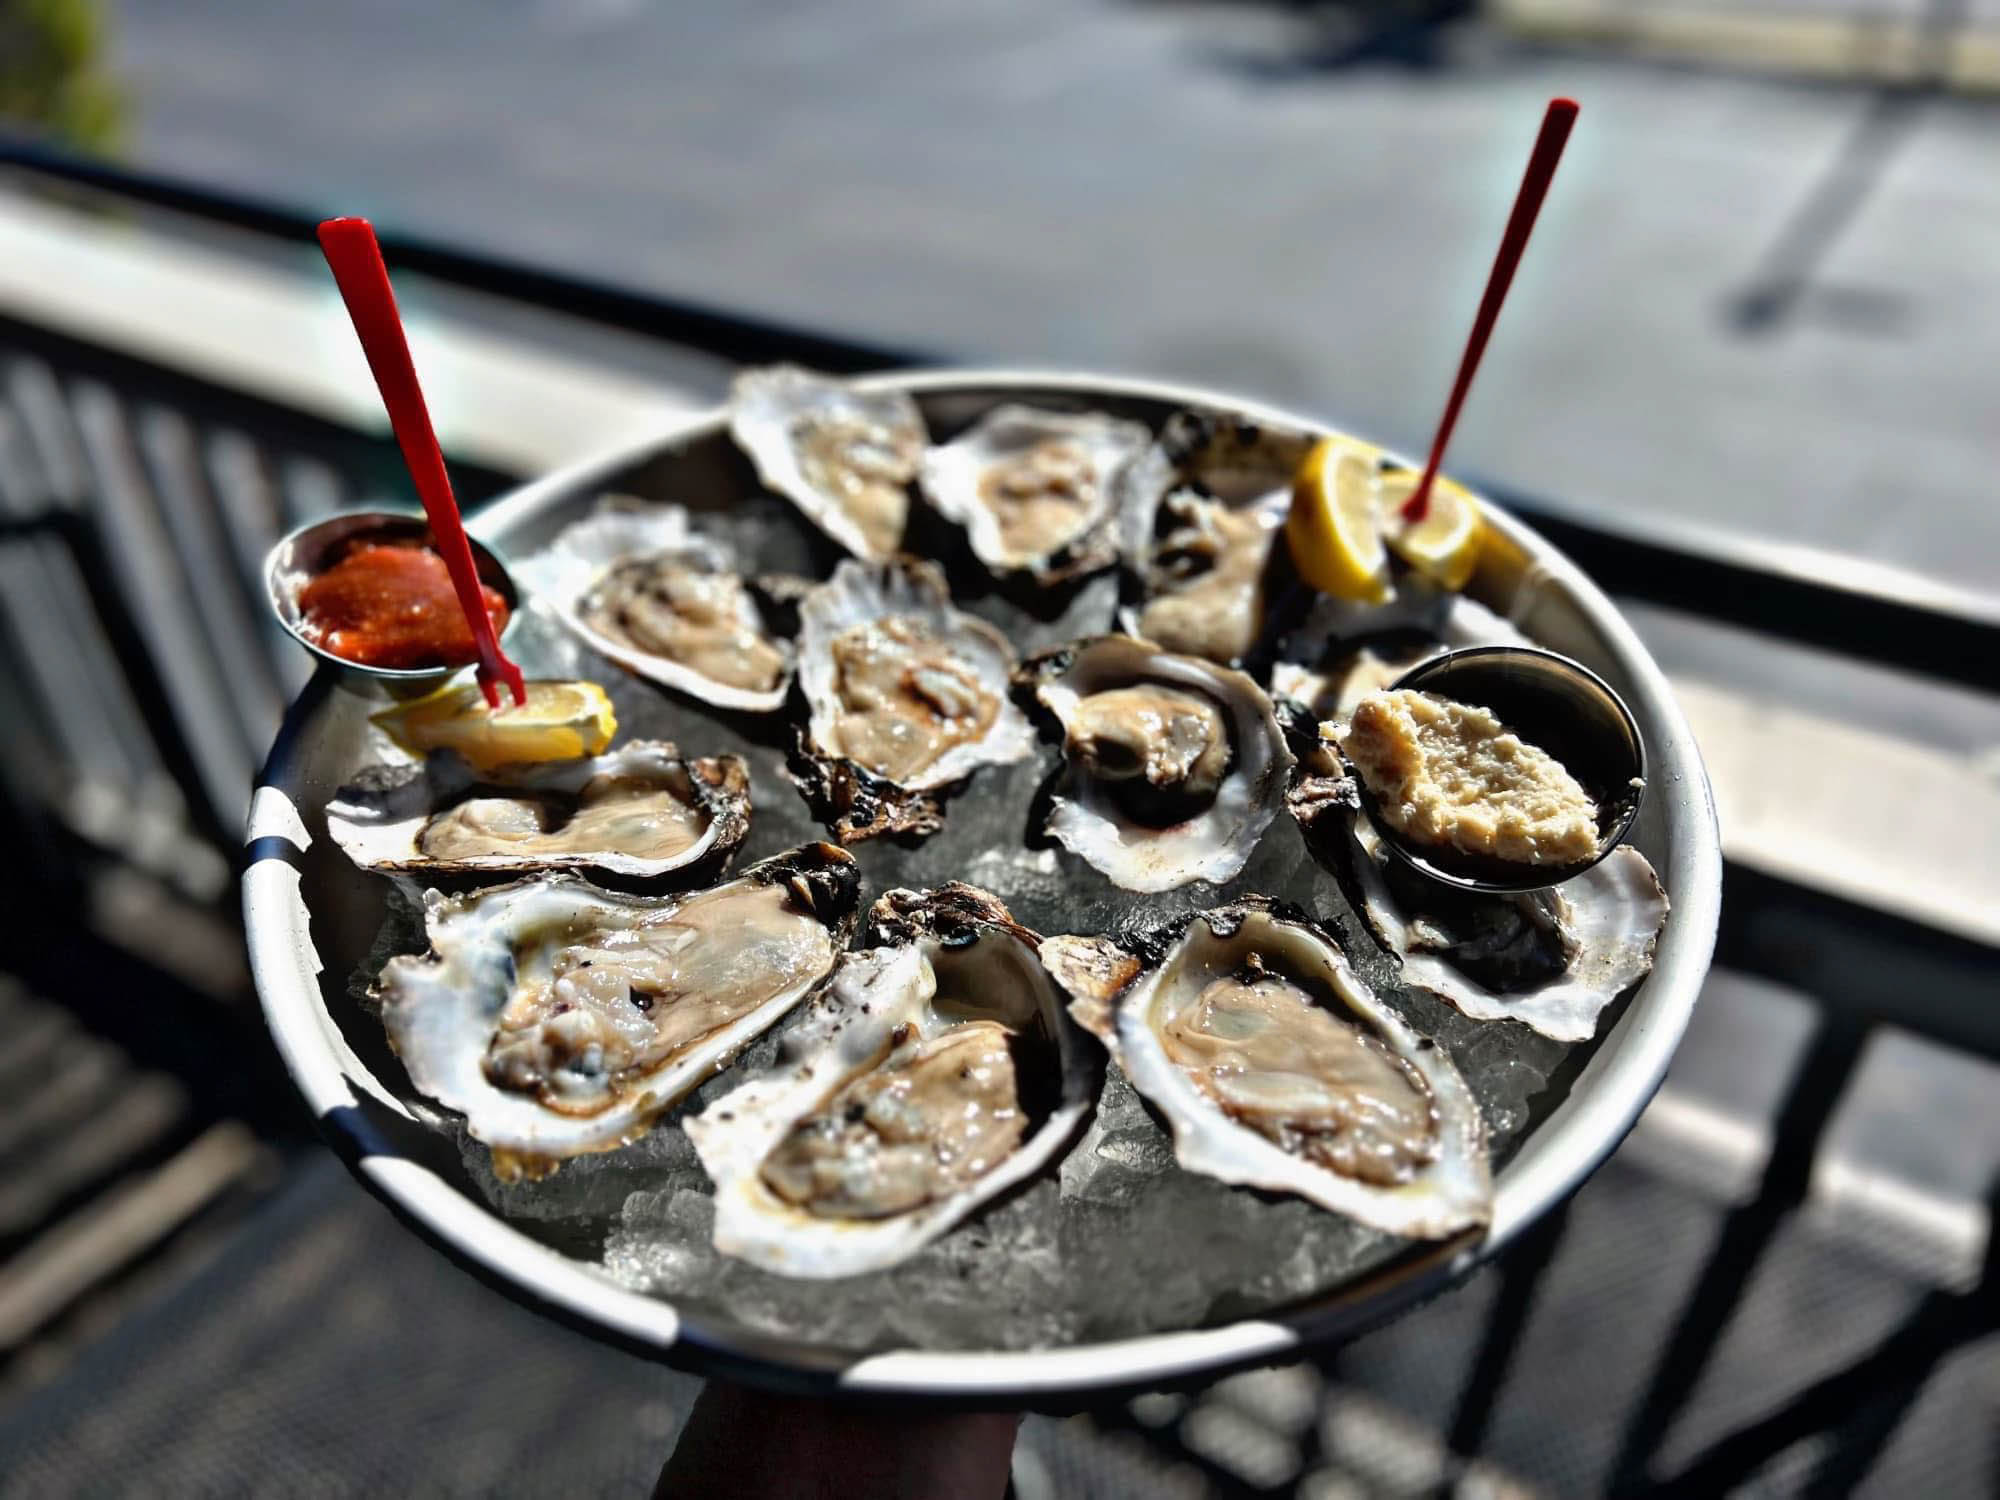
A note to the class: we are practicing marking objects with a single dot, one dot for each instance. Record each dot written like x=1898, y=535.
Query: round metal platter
x=312, y=919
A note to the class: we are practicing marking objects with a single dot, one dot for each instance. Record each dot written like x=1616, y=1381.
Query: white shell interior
x=763, y=406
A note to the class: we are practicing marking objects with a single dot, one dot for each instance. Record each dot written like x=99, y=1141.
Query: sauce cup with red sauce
x=367, y=593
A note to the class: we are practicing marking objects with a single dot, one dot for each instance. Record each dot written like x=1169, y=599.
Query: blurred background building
x=1746, y=377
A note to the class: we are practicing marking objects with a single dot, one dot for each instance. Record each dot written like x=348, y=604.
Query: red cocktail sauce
x=391, y=604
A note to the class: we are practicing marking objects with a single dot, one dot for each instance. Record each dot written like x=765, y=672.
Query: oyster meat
x=938, y=1071
x=639, y=812
x=1277, y=1068
x=843, y=455
x=561, y=1019
x=1034, y=489
x=1175, y=766
x=906, y=696
x=643, y=589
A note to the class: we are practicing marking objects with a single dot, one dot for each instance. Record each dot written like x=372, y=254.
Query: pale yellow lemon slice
x=560, y=721
x=1444, y=545
x=1334, y=527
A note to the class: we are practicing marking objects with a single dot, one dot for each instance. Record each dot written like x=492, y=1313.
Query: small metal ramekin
x=303, y=554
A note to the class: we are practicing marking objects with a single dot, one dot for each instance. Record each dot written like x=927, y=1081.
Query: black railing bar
x=368, y=457
x=50, y=436
x=133, y=529
x=1739, y=1249
x=230, y=615
x=736, y=336
x=1859, y=963
x=1226, y=1482
x=1801, y=593
x=97, y=734
x=1877, y=613
x=1894, y=1373
x=1522, y=1272
x=135, y=662
x=105, y=735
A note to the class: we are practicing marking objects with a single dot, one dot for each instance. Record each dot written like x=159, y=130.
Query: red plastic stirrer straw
x=356, y=259
x=1527, y=203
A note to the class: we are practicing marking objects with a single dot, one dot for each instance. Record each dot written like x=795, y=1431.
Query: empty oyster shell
x=643, y=589
x=1035, y=490
x=638, y=812
x=1176, y=765
x=1277, y=1068
x=937, y=1071
x=1551, y=959
x=561, y=1019
x=906, y=696
x=844, y=456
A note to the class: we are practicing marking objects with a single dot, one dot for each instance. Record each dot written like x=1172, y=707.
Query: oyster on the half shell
x=1277, y=1068
x=1199, y=517
x=1035, y=490
x=560, y=1019
x=639, y=586
x=639, y=812
x=938, y=1071
x=842, y=455
x=906, y=696
x=1175, y=766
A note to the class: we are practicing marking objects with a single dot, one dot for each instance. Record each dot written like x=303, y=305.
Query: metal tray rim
x=1605, y=1100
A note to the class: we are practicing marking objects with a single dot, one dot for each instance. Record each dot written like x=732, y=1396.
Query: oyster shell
x=1176, y=765
x=637, y=584
x=560, y=1019
x=1342, y=651
x=1277, y=1068
x=1551, y=959
x=1198, y=521
x=639, y=812
x=938, y=1071
x=1235, y=462
x=1035, y=490
x=844, y=456
x=1206, y=579
x=906, y=696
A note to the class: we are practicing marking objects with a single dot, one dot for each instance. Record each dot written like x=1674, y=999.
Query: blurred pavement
x=1757, y=304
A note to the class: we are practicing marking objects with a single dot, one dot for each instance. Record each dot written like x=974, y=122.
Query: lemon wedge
x=560, y=721
x=1444, y=545
x=1334, y=527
